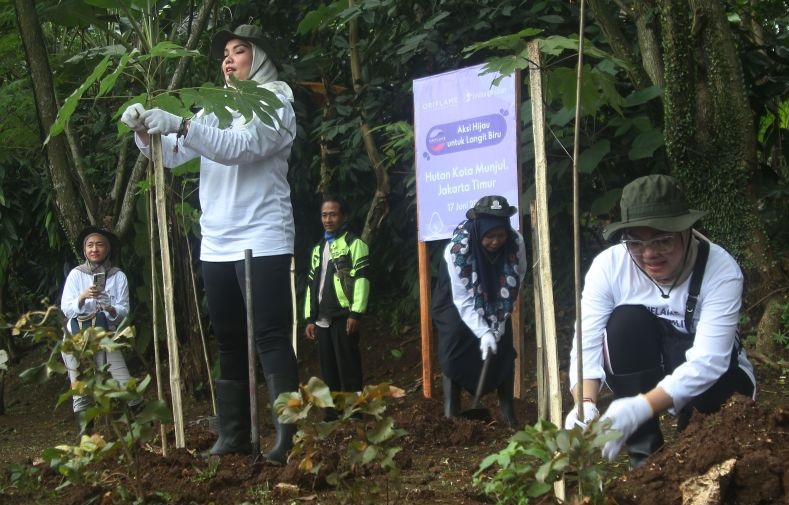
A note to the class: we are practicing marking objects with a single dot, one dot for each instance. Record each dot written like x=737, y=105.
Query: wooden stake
x=251, y=356
x=543, y=232
x=169, y=303
x=425, y=321
x=294, y=338
x=155, y=308
x=579, y=389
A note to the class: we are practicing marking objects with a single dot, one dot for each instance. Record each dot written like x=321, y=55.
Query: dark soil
x=438, y=457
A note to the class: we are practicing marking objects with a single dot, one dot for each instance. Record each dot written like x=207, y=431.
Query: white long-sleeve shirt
x=116, y=288
x=244, y=191
x=464, y=301
x=614, y=279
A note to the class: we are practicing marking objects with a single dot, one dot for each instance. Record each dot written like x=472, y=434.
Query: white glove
x=590, y=414
x=160, y=121
x=626, y=415
x=131, y=117
x=487, y=343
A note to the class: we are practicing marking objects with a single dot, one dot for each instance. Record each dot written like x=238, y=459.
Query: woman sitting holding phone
x=96, y=294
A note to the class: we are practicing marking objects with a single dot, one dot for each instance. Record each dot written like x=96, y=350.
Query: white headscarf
x=265, y=74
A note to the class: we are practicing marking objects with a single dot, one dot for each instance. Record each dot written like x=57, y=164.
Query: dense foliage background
x=696, y=89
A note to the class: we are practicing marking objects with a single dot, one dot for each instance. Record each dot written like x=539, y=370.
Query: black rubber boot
x=507, y=401
x=451, y=397
x=232, y=401
x=648, y=438
x=277, y=384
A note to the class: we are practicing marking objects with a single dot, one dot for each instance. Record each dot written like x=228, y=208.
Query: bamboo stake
x=155, y=308
x=543, y=232
x=169, y=304
x=579, y=389
x=542, y=396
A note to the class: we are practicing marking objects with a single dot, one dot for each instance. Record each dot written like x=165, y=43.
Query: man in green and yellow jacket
x=337, y=294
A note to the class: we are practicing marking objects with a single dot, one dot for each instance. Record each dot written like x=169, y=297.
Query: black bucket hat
x=250, y=33
x=654, y=201
x=491, y=205
x=112, y=239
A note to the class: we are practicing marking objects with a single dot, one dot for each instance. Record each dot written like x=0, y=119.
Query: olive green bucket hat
x=250, y=33
x=492, y=205
x=654, y=201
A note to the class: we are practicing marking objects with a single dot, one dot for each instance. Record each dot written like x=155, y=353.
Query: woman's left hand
x=626, y=415
x=160, y=121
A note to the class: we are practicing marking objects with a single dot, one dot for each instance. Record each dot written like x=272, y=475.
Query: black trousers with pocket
x=639, y=341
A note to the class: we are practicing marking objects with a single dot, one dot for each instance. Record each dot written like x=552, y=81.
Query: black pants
x=639, y=341
x=341, y=362
x=225, y=288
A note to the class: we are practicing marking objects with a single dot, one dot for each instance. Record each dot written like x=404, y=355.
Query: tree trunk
x=710, y=138
x=69, y=210
x=379, y=208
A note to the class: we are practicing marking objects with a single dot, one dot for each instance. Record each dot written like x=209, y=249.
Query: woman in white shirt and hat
x=245, y=203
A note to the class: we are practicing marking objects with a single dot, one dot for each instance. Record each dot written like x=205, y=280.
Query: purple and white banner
x=465, y=131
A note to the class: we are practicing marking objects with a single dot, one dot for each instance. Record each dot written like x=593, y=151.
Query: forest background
x=696, y=89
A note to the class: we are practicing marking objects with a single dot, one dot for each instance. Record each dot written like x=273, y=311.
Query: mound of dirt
x=739, y=455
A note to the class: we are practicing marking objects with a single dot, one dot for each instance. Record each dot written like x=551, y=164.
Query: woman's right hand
x=90, y=292
x=132, y=117
x=590, y=414
x=309, y=331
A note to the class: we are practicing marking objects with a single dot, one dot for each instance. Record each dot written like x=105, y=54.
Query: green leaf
x=109, y=82
x=592, y=156
x=646, y=144
x=538, y=488
x=602, y=205
x=167, y=49
x=642, y=96
x=319, y=392
x=544, y=471
x=190, y=167
x=513, y=42
x=370, y=453
x=35, y=375
x=169, y=103
x=320, y=17
x=553, y=19
x=155, y=410
x=70, y=105
x=382, y=431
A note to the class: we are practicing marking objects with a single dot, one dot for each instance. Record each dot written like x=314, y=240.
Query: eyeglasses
x=663, y=244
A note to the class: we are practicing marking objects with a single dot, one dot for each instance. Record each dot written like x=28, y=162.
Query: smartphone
x=98, y=280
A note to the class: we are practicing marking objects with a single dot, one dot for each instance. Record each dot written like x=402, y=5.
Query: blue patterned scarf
x=481, y=276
